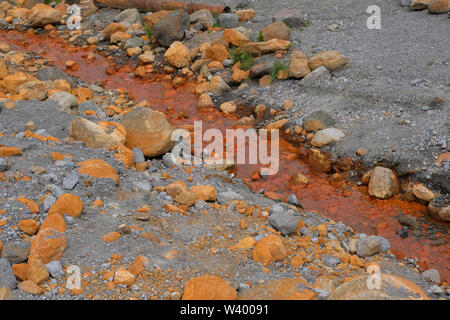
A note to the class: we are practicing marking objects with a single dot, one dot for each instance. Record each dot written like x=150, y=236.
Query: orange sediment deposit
x=97, y=168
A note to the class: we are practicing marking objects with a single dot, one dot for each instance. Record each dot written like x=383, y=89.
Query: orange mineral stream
x=343, y=201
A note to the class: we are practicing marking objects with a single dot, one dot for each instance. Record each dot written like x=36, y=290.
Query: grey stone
x=204, y=17
x=7, y=277
x=331, y=261
x=316, y=77
x=436, y=289
x=368, y=246
x=171, y=27
x=409, y=221
x=71, y=180
x=432, y=275
x=292, y=199
x=128, y=17
x=283, y=222
x=67, y=102
x=228, y=20
x=55, y=269
x=228, y=196
x=134, y=42
x=294, y=18
x=200, y=204
x=15, y=253
x=3, y=164
x=53, y=73
x=144, y=186
x=327, y=136
x=322, y=116
x=138, y=155
x=48, y=202
x=262, y=66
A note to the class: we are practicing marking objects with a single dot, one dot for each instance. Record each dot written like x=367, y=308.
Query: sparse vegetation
x=260, y=37
x=245, y=58
x=278, y=66
x=149, y=32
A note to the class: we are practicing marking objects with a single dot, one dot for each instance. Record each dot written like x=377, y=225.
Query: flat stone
x=283, y=222
x=327, y=136
x=7, y=277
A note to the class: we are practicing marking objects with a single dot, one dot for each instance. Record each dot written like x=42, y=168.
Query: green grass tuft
x=245, y=58
x=260, y=37
x=277, y=67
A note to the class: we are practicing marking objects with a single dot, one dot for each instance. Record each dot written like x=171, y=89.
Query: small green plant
x=48, y=2
x=149, y=32
x=277, y=67
x=216, y=20
x=260, y=37
x=430, y=63
x=245, y=58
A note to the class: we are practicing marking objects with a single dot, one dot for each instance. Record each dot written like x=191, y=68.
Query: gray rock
x=48, y=202
x=368, y=246
x=3, y=164
x=171, y=28
x=71, y=180
x=409, y=221
x=15, y=253
x=319, y=116
x=331, y=261
x=262, y=66
x=228, y=20
x=204, y=17
x=316, y=78
x=228, y=196
x=294, y=18
x=200, y=204
x=53, y=73
x=67, y=102
x=283, y=222
x=436, y=289
x=292, y=199
x=432, y=275
x=138, y=155
x=144, y=186
x=7, y=277
x=128, y=17
x=134, y=42
x=327, y=136
x=55, y=269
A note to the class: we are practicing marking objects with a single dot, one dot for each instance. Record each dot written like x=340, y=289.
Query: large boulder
x=331, y=60
x=41, y=15
x=149, y=131
x=171, y=27
x=276, y=30
x=97, y=135
x=298, y=65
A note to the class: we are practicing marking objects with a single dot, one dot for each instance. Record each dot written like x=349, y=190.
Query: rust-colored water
x=345, y=202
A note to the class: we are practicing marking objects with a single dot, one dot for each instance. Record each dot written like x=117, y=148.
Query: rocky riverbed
x=88, y=190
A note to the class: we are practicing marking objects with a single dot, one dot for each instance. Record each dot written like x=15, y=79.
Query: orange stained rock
x=67, y=204
x=138, y=265
x=10, y=152
x=111, y=237
x=269, y=249
x=54, y=221
x=30, y=287
x=98, y=168
x=97, y=203
x=56, y=156
x=208, y=287
x=244, y=244
x=48, y=245
x=205, y=192
x=30, y=204
x=28, y=226
x=124, y=155
x=20, y=271
x=283, y=289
